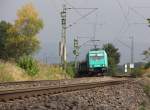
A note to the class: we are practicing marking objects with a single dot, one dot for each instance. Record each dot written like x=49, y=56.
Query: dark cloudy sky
x=117, y=19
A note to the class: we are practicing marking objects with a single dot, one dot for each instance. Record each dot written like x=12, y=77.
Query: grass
x=50, y=72
x=137, y=72
x=10, y=72
x=147, y=73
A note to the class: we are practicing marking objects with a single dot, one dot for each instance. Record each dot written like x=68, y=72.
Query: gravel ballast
x=115, y=97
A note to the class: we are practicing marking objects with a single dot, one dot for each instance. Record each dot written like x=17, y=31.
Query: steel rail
x=30, y=84
x=122, y=76
x=38, y=81
x=7, y=95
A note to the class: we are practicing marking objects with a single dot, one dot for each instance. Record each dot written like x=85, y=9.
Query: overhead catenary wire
x=123, y=43
x=73, y=7
x=133, y=9
x=125, y=17
x=95, y=27
x=125, y=20
x=78, y=12
x=137, y=13
x=141, y=7
x=82, y=17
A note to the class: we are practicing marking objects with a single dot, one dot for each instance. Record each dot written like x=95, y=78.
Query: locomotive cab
x=97, y=61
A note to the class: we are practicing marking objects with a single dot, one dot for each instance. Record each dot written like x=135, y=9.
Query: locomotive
x=95, y=64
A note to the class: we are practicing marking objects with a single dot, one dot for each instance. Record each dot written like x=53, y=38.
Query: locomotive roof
x=100, y=50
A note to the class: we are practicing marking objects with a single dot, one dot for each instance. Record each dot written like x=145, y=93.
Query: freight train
x=95, y=64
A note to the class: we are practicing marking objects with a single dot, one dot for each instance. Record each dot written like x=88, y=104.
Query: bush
x=147, y=90
x=137, y=72
x=29, y=65
x=142, y=106
x=147, y=65
x=70, y=70
x=148, y=75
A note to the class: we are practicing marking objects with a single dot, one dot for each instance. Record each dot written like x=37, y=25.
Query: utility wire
x=121, y=29
x=78, y=12
x=82, y=17
x=95, y=27
x=76, y=9
x=123, y=43
x=73, y=7
x=125, y=17
x=136, y=12
x=143, y=7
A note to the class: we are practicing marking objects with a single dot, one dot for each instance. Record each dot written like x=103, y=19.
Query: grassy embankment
x=9, y=71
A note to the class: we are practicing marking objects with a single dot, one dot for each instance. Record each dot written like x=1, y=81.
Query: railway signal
x=76, y=47
x=75, y=43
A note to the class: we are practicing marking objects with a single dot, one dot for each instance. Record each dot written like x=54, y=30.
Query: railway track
x=32, y=84
x=13, y=94
x=123, y=76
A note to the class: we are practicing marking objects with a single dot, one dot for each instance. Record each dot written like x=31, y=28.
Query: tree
x=113, y=57
x=22, y=39
x=28, y=22
x=146, y=53
x=4, y=27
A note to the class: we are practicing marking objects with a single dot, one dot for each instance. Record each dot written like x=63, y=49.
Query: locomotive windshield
x=97, y=57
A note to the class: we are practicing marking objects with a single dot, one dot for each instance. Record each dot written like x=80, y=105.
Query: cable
x=73, y=7
x=125, y=17
x=95, y=27
x=137, y=13
x=123, y=43
x=82, y=17
x=143, y=7
x=76, y=10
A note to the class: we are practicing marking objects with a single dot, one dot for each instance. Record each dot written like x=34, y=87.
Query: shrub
x=142, y=106
x=70, y=70
x=148, y=75
x=147, y=90
x=137, y=72
x=147, y=65
x=29, y=65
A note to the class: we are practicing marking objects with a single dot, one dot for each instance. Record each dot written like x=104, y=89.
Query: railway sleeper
x=10, y=96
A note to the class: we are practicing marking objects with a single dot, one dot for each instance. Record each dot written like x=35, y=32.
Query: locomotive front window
x=97, y=57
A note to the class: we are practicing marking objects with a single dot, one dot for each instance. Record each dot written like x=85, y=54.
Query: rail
x=13, y=94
